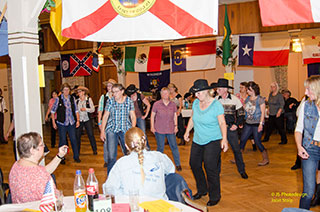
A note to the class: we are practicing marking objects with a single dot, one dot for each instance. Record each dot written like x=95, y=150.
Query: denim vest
x=310, y=121
x=257, y=112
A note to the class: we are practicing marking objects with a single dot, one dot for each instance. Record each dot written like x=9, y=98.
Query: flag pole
x=4, y=10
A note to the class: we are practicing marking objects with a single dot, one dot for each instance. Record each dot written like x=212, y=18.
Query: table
x=69, y=204
x=186, y=113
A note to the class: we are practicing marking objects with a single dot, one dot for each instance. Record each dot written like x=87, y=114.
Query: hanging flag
x=226, y=44
x=310, y=49
x=55, y=22
x=282, y=12
x=313, y=69
x=95, y=57
x=143, y=58
x=157, y=79
x=194, y=56
x=76, y=64
x=123, y=20
x=48, y=199
x=4, y=37
x=263, y=50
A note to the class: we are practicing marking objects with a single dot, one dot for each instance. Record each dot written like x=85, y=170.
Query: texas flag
x=282, y=12
x=311, y=49
x=126, y=20
x=194, y=56
x=263, y=50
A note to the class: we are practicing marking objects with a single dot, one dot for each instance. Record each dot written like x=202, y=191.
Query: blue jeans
x=172, y=143
x=247, y=131
x=175, y=184
x=309, y=169
x=71, y=130
x=111, y=145
x=141, y=123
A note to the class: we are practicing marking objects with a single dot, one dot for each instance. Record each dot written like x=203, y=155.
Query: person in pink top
x=28, y=179
x=164, y=125
x=54, y=95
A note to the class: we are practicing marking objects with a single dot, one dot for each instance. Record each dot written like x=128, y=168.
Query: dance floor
x=269, y=188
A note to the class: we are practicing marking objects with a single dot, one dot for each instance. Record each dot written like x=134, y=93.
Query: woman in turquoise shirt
x=210, y=136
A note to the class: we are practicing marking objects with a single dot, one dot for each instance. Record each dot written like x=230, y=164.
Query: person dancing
x=210, y=136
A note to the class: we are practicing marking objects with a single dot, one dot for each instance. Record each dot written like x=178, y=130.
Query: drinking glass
x=59, y=201
x=134, y=199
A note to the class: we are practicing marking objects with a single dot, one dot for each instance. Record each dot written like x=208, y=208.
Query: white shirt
x=83, y=104
x=299, y=126
x=2, y=105
x=125, y=175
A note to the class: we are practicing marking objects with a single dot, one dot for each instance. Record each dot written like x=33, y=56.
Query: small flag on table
x=48, y=199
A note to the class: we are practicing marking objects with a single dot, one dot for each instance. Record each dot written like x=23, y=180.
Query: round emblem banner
x=131, y=8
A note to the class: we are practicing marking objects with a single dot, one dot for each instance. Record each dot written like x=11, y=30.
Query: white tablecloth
x=69, y=204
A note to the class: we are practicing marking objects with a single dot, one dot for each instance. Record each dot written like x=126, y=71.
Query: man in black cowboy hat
x=138, y=101
x=234, y=115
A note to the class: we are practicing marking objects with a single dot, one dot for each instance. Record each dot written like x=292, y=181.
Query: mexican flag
x=143, y=58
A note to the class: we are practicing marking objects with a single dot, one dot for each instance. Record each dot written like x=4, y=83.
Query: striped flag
x=264, y=50
x=48, y=199
x=143, y=58
x=95, y=57
x=194, y=56
x=282, y=12
x=311, y=48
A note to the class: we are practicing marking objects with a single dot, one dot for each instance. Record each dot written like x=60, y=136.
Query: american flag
x=48, y=199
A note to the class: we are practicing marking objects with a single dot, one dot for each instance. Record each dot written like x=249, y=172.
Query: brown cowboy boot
x=265, y=159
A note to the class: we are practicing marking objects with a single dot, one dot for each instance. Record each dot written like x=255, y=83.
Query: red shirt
x=27, y=183
x=164, y=117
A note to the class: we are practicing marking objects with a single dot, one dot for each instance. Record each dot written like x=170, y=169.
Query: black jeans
x=1, y=127
x=53, y=134
x=210, y=155
x=233, y=140
x=277, y=123
x=181, y=129
x=89, y=129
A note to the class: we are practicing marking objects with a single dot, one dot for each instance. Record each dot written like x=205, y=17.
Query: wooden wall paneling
x=249, y=17
x=57, y=79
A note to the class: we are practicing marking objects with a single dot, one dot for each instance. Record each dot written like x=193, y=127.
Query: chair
x=187, y=199
x=3, y=188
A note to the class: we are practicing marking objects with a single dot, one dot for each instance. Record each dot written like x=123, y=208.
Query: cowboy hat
x=200, y=85
x=112, y=81
x=131, y=89
x=82, y=88
x=222, y=83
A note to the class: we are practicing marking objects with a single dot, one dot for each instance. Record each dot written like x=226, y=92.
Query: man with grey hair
x=234, y=115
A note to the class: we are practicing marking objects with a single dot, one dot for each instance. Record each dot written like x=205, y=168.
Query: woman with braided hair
x=140, y=170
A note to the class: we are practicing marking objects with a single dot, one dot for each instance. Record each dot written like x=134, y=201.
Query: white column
x=24, y=51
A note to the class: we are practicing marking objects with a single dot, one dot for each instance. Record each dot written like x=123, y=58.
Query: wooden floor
x=269, y=188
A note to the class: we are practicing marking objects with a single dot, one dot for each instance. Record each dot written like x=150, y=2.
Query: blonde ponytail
x=135, y=141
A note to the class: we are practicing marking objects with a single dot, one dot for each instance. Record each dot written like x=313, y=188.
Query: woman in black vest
x=67, y=120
